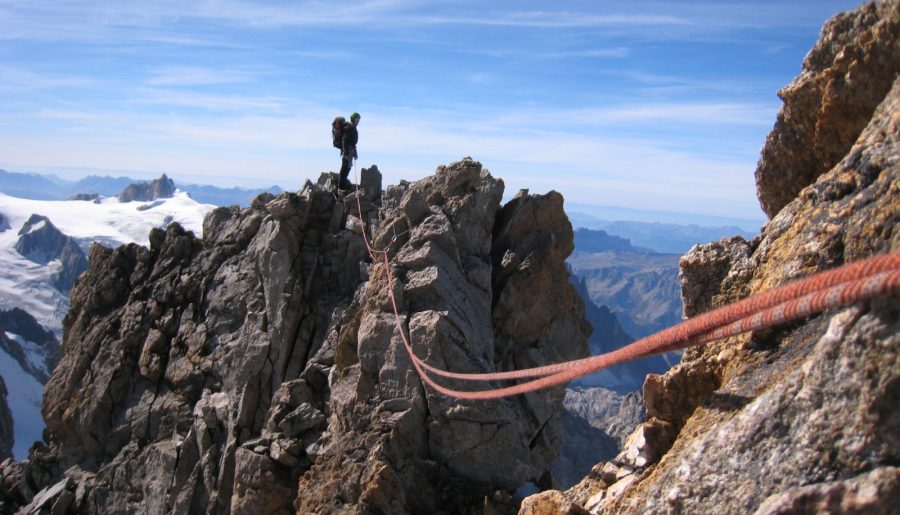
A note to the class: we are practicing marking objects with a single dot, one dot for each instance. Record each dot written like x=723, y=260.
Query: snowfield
x=27, y=284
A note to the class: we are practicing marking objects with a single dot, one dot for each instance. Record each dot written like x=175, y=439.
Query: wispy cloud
x=19, y=79
x=619, y=52
x=552, y=19
x=95, y=20
x=207, y=101
x=195, y=76
x=722, y=114
x=593, y=98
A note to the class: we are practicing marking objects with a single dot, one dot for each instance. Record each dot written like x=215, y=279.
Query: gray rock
x=54, y=499
x=163, y=187
x=448, y=263
x=875, y=492
x=260, y=370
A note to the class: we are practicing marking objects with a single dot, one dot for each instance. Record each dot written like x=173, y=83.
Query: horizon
x=590, y=214
x=649, y=106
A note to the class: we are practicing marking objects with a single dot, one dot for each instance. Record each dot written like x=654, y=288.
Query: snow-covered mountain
x=42, y=249
x=27, y=282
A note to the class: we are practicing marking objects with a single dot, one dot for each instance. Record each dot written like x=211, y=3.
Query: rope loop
x=876, y=276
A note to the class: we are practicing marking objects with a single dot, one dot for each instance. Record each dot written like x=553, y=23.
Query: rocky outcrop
x=262, y=370
x=801, y=418
x=85, y=197
x=845, y=77
x=464, y=289
x=41, y=242
x=4, y=223
x=24, y=339
x=163, y=187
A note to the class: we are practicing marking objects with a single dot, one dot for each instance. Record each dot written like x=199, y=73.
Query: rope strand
x=826, y=290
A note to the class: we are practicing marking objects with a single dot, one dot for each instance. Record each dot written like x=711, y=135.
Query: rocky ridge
x=260, y=370
x=800, y=418
x=148, y=191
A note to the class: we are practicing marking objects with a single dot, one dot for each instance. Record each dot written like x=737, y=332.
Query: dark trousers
x=345, y=184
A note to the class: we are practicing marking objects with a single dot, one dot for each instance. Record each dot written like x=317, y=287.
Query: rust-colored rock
x=802, y=418
x=845, y=77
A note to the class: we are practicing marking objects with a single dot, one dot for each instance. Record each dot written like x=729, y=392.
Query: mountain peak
x=163, y=187
x=269, y=349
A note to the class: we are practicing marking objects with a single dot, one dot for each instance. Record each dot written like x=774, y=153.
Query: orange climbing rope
x=854, y=282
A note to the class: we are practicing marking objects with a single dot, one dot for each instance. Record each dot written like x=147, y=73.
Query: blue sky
x=659, y=106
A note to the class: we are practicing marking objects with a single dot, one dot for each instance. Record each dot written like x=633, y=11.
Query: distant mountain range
x=629, y=292
x=48, y=187
x=640, y=286
x=608, y=336
x=666, y=238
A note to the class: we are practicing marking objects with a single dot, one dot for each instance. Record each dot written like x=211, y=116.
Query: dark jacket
x=349, y=139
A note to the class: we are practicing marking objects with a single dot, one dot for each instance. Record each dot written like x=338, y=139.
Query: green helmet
x=355, y=116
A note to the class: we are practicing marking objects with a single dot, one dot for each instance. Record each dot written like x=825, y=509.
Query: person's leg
x=344, y=183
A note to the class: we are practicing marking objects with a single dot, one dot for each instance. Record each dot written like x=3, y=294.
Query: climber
x=349, y=137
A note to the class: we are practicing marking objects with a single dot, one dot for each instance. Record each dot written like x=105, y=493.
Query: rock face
x=261, y=370
x=163, y=187
x=845, y=77
x=40, y=241
x=801, y=418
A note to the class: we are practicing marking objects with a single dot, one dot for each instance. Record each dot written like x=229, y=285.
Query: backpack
x=337, y=131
